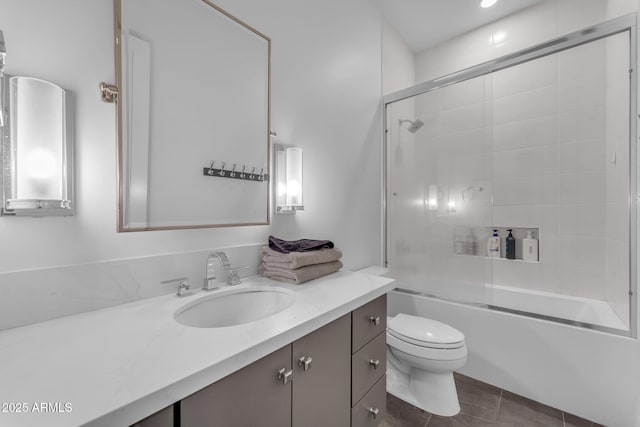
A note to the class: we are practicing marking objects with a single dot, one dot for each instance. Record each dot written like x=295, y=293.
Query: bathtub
x=585, y=311
x=589, y=373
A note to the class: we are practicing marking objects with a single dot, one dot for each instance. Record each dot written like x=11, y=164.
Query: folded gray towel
x=294, y=260
x=299, y=275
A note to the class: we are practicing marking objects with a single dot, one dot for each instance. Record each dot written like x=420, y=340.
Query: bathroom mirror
x=193, y=108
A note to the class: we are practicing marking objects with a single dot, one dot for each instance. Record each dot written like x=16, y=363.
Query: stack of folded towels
x=297, y=261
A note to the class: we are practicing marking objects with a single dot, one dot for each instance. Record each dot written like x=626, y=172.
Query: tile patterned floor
x=482, y=405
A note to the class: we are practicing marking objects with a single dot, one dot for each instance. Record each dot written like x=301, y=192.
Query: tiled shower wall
x=542, y=145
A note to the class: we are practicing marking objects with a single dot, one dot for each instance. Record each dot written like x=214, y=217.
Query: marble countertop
x=115, y=366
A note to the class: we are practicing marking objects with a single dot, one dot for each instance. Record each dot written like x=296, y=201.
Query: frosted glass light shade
x=294, y=177
x=288, y=179
x=37, y=149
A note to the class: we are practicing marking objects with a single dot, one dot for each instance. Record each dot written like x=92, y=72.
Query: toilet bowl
x=422, y=355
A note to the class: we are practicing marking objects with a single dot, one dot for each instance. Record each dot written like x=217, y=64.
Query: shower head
x=413, y=125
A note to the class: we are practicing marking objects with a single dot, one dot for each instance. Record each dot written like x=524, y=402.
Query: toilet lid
x=422, y=331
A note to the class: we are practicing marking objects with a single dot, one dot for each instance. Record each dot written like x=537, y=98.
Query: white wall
x=398, y=61
x=325, y=98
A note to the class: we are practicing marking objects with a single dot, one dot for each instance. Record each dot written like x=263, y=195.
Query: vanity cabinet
x=304, y=384
x=334, y=376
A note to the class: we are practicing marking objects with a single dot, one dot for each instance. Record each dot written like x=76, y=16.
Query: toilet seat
x=422, y=332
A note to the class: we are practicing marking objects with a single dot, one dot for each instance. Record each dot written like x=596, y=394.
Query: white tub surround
x=118, y=365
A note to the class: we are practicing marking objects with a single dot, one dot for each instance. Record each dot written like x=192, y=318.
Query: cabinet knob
x=374, y=363
x=375, y=320
x=284, y=376
x=305, y=363
x=374, y=412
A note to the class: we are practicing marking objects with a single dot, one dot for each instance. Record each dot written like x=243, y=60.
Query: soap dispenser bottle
x=493, y=245
x=510, y=247
x=529, y=248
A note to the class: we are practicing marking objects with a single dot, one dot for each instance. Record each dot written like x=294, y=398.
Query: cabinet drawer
x=367, y=322
x=367, y=366
x=362, y=414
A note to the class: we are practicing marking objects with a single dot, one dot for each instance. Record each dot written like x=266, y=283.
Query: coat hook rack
x=224, y=172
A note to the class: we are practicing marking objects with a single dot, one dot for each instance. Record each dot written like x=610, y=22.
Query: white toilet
x=421, y=357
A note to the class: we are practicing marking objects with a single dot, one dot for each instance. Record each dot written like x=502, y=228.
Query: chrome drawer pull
x=374, y=363
x=375, y=320
x=374, y=412
x=284, y=376
x=305, y=363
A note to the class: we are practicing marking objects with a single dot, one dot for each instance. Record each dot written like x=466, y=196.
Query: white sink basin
x=237, y=306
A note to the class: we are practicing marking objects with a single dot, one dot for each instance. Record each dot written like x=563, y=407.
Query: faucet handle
x=234, y=277
x=184, y=289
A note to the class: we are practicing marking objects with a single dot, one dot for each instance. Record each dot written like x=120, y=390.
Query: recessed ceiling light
x=488, y=3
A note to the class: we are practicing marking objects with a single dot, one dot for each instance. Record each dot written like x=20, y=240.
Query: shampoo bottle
x=510, y=247
x=493, y=245
x=529, y=248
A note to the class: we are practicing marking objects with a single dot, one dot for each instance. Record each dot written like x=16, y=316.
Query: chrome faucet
x=216, y=271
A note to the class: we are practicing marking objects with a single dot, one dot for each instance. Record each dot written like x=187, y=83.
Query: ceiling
x=426, y=23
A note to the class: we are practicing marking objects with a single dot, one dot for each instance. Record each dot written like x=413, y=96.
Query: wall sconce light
x=287, y=179
x=37, y=148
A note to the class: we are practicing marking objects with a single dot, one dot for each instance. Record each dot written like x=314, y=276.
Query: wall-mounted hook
x=109, y=92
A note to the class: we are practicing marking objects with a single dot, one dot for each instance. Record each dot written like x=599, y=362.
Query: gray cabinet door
x=252, y=396
x=321, y=393
x=162, y=418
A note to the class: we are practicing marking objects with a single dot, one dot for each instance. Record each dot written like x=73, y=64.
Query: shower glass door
x=539, y=143
x=439, y=191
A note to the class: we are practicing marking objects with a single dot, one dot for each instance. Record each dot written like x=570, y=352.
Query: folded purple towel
x=302, y=245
